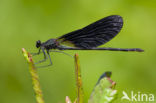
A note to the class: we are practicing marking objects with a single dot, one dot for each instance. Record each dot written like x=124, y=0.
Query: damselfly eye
x=38, y=43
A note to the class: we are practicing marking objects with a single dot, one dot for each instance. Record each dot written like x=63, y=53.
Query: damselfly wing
x=95, y=34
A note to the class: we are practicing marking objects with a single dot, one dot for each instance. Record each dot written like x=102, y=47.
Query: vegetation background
x=23, y=22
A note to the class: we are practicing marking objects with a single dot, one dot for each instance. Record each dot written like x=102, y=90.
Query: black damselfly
x=87, y=38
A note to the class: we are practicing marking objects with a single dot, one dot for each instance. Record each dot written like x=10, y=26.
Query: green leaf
x=103, y=92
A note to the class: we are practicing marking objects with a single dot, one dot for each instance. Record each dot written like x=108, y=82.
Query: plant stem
x=78, y=80
x=34, y=76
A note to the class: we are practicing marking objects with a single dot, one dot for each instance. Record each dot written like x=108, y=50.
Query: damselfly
x=87, y=38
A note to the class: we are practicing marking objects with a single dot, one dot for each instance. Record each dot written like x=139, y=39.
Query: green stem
x=78, y=80
x=34, y=76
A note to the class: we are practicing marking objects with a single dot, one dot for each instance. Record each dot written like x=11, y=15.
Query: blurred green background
x=23, y=22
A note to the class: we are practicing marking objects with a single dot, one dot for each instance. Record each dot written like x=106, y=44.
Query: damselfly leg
x=39, y=51
x=45, y=58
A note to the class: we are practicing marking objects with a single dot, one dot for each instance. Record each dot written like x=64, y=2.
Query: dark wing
x=95, y=34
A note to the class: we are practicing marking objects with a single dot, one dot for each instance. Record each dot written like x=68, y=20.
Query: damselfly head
x=38, y=43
